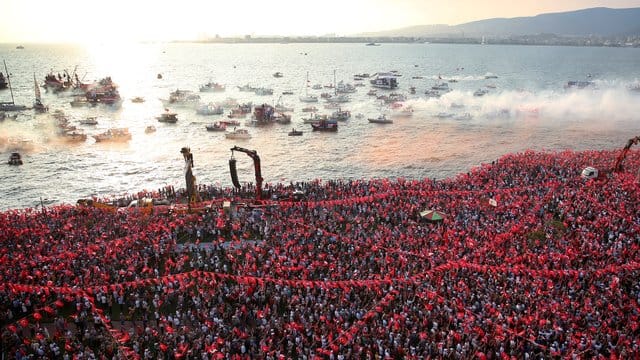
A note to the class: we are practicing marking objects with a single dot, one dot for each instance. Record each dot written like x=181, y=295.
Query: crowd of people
x=531, y=261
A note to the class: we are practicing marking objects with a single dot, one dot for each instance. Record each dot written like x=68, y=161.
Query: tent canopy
x=432, y=215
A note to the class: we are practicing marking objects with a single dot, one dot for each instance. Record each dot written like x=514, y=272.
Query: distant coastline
x=540, y=39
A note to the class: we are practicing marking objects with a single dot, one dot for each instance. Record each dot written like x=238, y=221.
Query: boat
x=465, y=116
x=150, y=129
x=372, y=92
x=209, y=109
x=237, y=134
x=38, y=106
x=444, y=115
x=340, y=115
x=104, y=92
x=433, y=93
x=79, y=101
x=10, y=106
x=308, y=98
x=372, y=44
x=345, y=88
x=230, y=122
x=277, y=75
x=182, y=98
x=441, y=86
x=385, y=81
x=74, y=136
x=113, y=134
x=15, y=158
x=287, y=92
x=295, y=132
x=217, y=126
x=491, y=76
x=382, y=119
x=91, y=120
x=325, y=125
x=3, y=81
x=480, y=92
x=247, y=88
x=137, y=99
x=579, y=84
x=20, y=47
x=310, y=109
x=168, y=117
x=314, y=118
x=212, y=87
x=263, y=91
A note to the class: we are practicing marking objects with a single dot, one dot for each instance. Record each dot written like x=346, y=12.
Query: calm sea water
x=527, y=109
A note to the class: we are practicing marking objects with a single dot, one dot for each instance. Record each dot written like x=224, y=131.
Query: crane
x=617, y=167
x=256, y=163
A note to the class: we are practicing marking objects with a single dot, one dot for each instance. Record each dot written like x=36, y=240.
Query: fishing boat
x=295, y=132
x=212, y=87
x=238, y=134
x=15, y=158
x=10, y=106
x=113, y=135
x=314, y=118
x=168, y=117
x=382, y=119
x=325, y=125
x=217, y=126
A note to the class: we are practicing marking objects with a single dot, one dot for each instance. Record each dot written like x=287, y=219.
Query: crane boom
x=617, y=167
x=256, y=163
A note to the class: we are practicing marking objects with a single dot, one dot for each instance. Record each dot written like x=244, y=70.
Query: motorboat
x=73, y=136
x=310, y=109
x=480, y=92
x=277, y=75
x=382, y=119
x=372, y=44
x=287, y=92
x=385, y=81
x=579, y=84
x=230, y=122
x=295, y=132
x=314, y=118
x=309, y=98
x=283, y=108
x=79, y=101
x=217, y=126
x=340, y=98
x=15, y=158
x=340, y=115
x=113, y=135
x=212, y=87
x=237, y=134
x=433, y=93
x=247, y=88
x=182, y=98
x=91, y=120
x=209, y=109
x=444, y=115
x=137, y=100
x=325, y=125
x=149, y=129
x=491, y=76
x=168, y=117
x=263, y=91
x=442, y=86
x=465, y=116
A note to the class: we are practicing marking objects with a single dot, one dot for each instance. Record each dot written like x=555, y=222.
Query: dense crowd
x=531, y=261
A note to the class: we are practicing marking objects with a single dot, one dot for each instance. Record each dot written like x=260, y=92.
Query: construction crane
x=256, y=163
x=617, y=167
x=192, y=194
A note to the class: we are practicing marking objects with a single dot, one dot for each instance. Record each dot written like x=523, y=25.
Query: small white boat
x=210, y=109
x=238, y=134
x=382, y=119
x=91, y=120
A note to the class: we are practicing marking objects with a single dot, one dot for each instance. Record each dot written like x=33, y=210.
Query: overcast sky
x=58, y=21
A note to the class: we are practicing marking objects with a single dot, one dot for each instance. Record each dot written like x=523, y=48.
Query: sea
x=527, y=107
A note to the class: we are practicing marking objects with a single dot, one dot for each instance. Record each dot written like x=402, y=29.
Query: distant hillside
x=595, y=21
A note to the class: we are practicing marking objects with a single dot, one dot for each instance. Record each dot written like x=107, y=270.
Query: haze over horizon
x=73, y=21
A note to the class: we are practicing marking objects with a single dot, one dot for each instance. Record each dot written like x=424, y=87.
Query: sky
x=82, y=21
